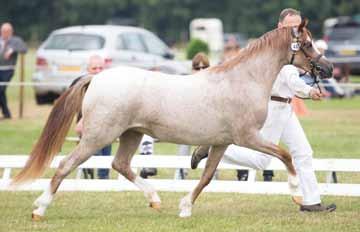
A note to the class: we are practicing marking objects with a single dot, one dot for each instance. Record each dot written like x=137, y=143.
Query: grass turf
x=127, y=211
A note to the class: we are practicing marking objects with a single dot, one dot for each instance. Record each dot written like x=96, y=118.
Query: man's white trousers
x=282, y=125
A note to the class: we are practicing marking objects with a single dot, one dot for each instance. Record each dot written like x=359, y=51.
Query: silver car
x=64, y=55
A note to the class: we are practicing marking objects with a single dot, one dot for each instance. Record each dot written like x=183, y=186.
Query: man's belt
x=281, y=99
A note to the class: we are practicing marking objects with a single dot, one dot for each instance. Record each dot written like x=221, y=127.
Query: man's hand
x=315, y=94
x=8, y=53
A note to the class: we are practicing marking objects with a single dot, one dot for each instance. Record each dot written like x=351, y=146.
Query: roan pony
x=125, y=103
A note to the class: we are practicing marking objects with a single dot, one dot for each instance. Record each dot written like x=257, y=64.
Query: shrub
x=195, y=46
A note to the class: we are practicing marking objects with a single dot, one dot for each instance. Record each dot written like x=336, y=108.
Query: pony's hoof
x=36, y=218
x=155, y=205
x=297, y=200
x=185, y=207
x=185, y=213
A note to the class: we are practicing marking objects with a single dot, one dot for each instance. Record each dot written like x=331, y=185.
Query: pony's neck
x=267, y=66
x=263, y=59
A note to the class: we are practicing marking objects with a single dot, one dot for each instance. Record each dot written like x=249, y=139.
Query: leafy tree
x=170, y=19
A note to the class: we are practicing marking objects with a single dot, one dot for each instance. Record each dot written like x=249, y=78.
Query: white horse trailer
x=210, y=31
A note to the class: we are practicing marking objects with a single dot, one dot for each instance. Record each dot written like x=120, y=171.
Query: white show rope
x=344, y=85
x=34, y=84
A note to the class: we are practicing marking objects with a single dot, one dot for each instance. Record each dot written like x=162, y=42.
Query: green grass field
x=127, y=211
x=332, y=126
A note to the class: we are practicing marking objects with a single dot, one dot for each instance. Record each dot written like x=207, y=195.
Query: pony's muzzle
x=326, y=72
x=324, y=69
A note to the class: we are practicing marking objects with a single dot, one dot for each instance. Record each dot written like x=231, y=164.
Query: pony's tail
x=54, y=132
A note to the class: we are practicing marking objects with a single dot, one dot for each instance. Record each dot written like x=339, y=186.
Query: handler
x=282, y=124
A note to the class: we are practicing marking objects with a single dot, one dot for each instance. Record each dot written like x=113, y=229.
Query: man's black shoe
x=268, y=175
x=242, y=175
x=7, y=115
x=318, y=208
x=146, y=172
x=268, y=178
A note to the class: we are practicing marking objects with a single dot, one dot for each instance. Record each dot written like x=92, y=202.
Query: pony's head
x=305, y=55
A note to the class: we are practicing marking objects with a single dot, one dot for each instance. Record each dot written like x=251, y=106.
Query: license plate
x=69, y=68
x=347, y=52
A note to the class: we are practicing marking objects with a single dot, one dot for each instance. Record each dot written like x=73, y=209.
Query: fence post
x=21, y=90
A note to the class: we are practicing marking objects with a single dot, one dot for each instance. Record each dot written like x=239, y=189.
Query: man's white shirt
x=288, y=84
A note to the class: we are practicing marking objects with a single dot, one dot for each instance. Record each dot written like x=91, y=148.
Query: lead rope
x=316, y=82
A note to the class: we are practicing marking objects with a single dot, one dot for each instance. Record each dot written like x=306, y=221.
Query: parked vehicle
x=210, y=30
x=64, y=55
x=343, y=38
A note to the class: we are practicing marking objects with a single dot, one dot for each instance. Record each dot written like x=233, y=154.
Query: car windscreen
x=75, y=41
x=345, y=33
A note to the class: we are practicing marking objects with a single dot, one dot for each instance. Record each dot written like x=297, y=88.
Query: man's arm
x=18, y=45
x=297, y=85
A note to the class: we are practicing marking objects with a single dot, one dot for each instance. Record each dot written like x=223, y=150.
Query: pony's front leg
x=130, y=141
x=186, y=203
x=149, y=192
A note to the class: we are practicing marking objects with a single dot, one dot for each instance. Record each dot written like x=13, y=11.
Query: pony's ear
x=304, y=23
x=294, y=32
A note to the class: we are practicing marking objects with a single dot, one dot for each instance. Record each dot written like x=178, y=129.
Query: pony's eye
x=308, y=45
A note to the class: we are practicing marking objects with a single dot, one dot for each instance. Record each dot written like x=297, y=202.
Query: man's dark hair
x=288, y=11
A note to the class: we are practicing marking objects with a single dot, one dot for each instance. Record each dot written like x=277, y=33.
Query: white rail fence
x=10, y=162
x=13, y=83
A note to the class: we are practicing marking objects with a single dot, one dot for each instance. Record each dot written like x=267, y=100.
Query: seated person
x=330, y=85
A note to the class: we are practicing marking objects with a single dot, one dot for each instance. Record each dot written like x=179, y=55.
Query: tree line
x=168, y=18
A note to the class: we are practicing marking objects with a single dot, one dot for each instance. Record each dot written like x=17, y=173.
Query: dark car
x=344, y=45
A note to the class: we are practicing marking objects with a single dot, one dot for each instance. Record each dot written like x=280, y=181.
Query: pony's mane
x=271, y=40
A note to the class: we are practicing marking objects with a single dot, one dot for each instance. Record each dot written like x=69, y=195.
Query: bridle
x=296, y=46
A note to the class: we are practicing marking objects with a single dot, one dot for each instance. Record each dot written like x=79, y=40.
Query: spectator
x=231, y=48
x=199, y=62
x=147, y=148
x=10, y=46
x=331, y=87
x=96, y=64
x=341, y=73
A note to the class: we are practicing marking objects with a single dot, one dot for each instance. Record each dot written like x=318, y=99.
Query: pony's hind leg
x=129, y=142
x=216, y=153
x=256, y=142
x=80, y=154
